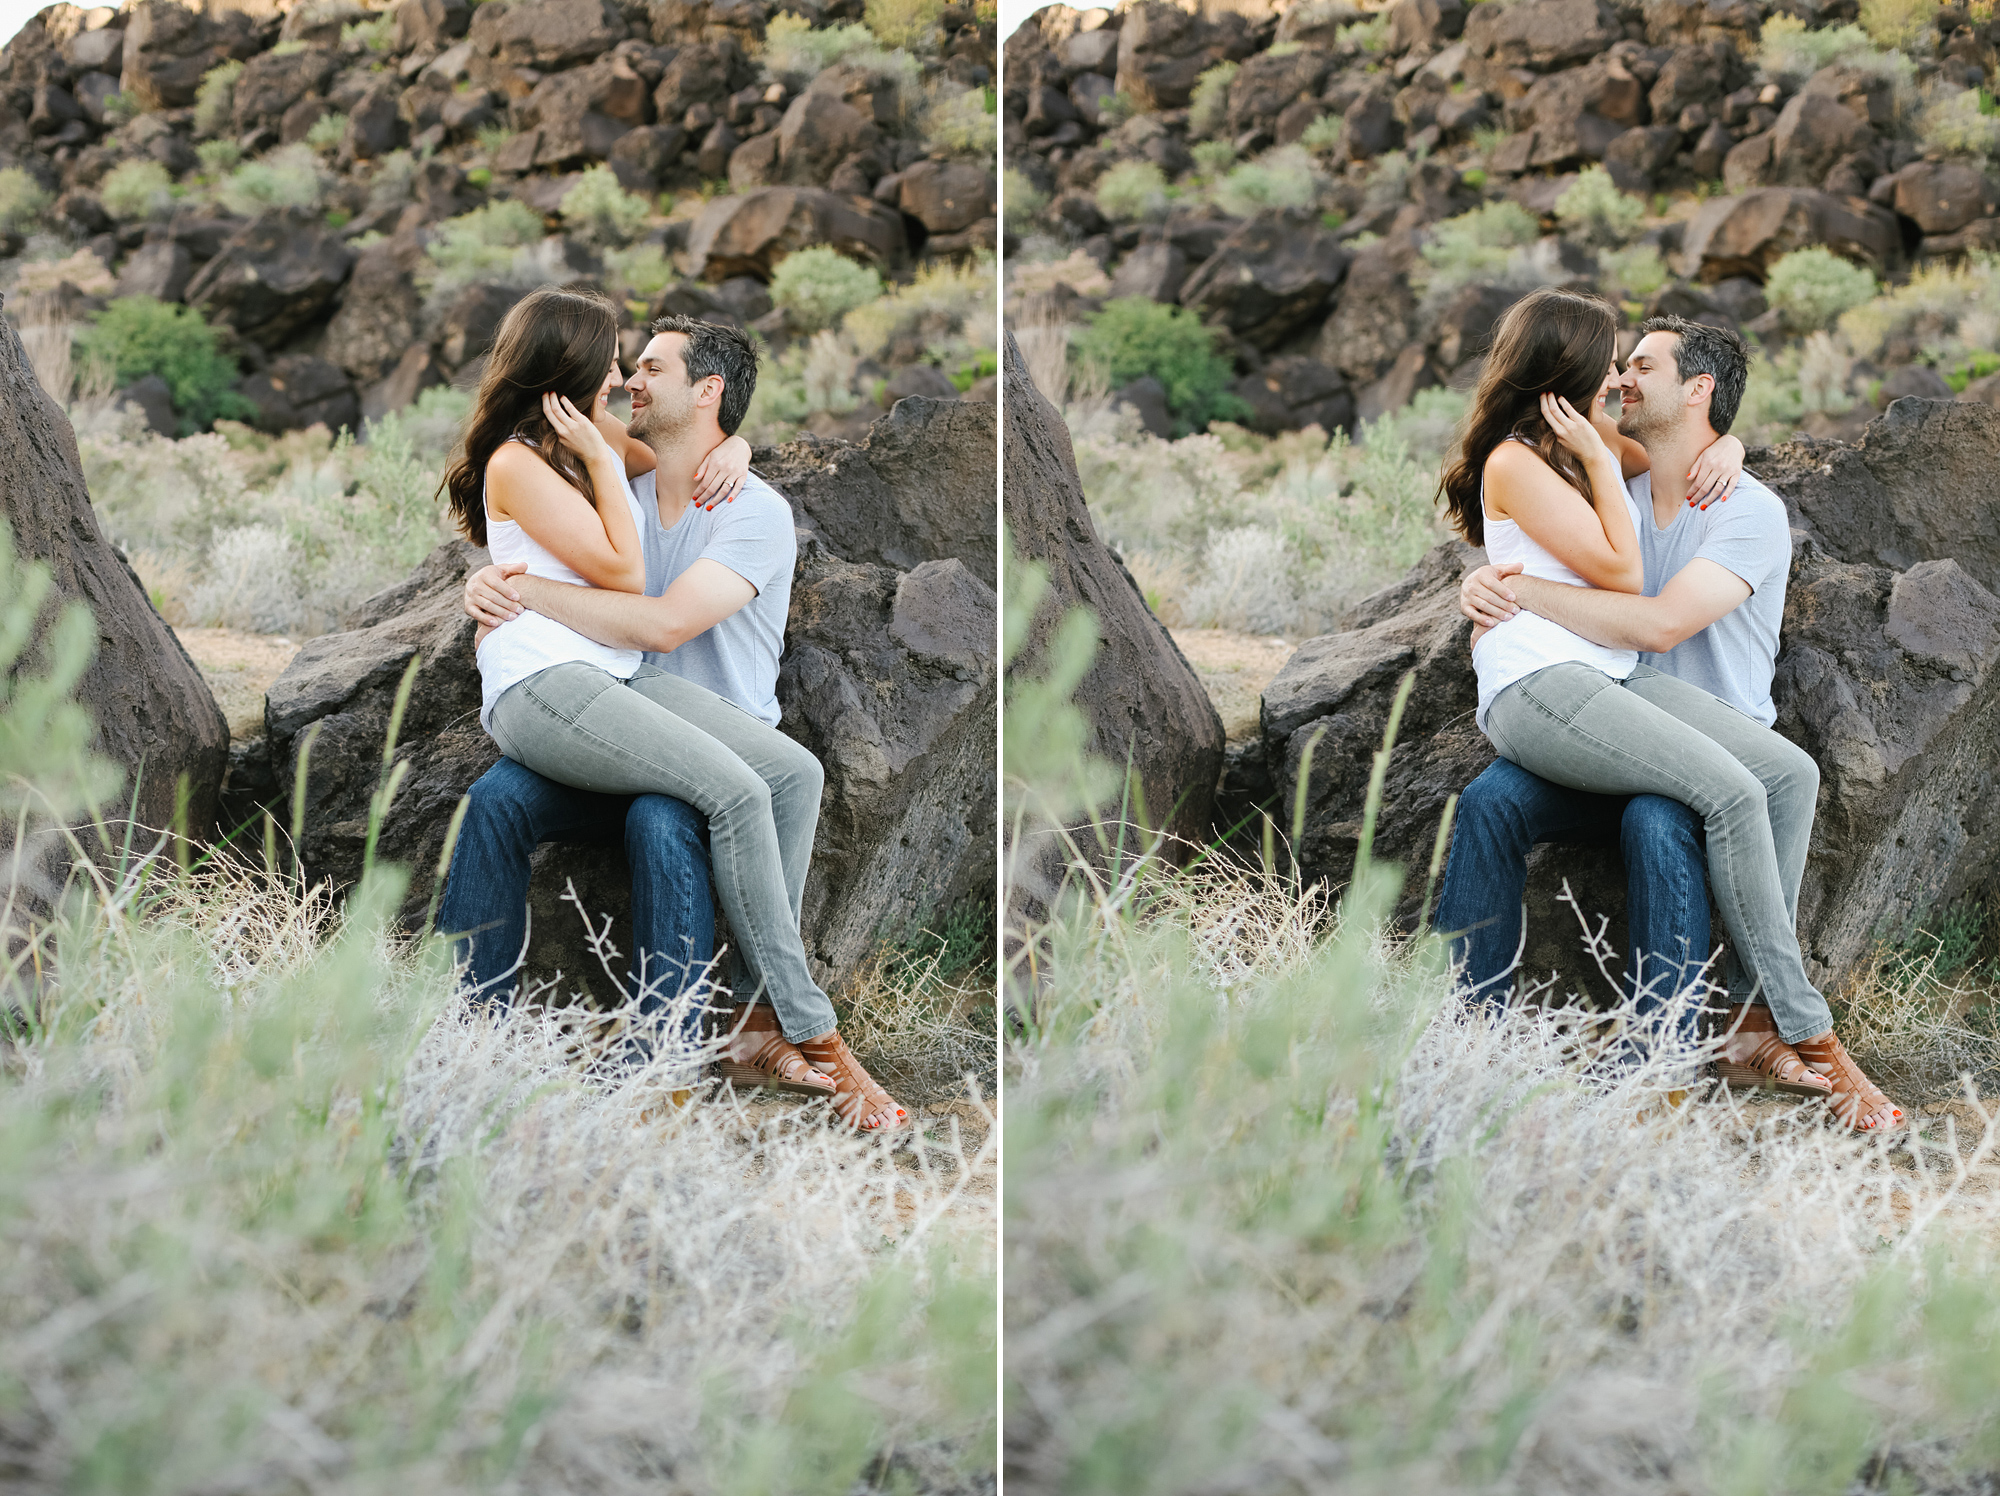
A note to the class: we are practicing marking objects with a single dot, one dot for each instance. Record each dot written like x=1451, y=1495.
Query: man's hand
x=1483, y=599
x=489, y=599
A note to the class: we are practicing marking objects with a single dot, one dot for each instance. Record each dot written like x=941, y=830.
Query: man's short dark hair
x=1714, y=351
x=716, y=348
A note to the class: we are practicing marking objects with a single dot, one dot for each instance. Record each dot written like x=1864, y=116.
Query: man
x=1714, y=599
x=718, y=585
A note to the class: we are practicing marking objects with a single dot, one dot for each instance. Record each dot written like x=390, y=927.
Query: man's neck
x=674, y=478
x=1669, y=457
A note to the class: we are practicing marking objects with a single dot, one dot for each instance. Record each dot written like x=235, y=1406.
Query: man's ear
x=710, y=392
x=1700, y=389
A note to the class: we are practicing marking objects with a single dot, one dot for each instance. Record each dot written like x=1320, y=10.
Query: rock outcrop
x=1889, y=676
x=890, y=678
x=1145, y=706
x=154, y=712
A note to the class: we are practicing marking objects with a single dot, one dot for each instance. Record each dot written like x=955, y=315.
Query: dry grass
x=282, y=1216
x=1282, y=1216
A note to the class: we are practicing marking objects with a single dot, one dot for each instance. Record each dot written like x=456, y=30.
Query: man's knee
x=1491, y=811
x=1654, y=826
x=659, y=827
x=502, y=807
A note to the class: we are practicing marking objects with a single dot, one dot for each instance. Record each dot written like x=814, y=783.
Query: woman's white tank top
x=532, y=642
x=1527, y=642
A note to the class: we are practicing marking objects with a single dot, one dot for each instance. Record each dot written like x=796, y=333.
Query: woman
x=543, y=483
x=1537, y=483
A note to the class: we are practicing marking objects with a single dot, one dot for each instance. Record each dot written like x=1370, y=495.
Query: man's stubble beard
x=1640, y=424
x=658, y=426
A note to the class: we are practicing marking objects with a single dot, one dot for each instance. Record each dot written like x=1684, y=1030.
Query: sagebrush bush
x=643, y=270
x=1593, y=209
x=1813, y=286
x=1943, y=311
x=1208, y=106
x=289, y=177
x=1962, y=122
x=1133, y=337
x=1280, y=178
x=1635, y=272
x=794, y=48
x=819, y=286
x=1022, y=200
x=1212, y=158
x=1492, y=244
x=1371, y=35
x=1787, y=49
x=218, y=157
x=497, y=242
x=377, y=33
x=906, y=24
x=137, y=189
x=1811, y=376
x=1324, y=135
x=945, y=312
x=1898, y=23
x=1132, y=190
x=600, y=212
x=327, y=132
x=961, y=120
x=22, y=201
x=215, y=98
x=136, y=335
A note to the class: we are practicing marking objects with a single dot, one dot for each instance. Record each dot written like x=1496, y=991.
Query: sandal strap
x=1777, y=1059
x=856, y=1093
x=1854, y=1094
x=775, y=1055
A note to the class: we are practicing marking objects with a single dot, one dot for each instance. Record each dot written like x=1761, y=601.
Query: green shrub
x=135, y=336
x=1133, y=337
x=1323, y=135
x=479, y=179
x=1208, y=106
x=1897, y=23
x=961, y=120
x=1022, y=198
x=219, y=157
x=1944, y=311
x=1978, y=366
x=493, y=137
x=377, y=33
x=1478, y=246
x=22, y=200
x=1281, y=178
x=1812, y=287
x=794, y=48
x=946, y=310
x=1474, y=177
x=1593, y=209
x=1371, y=35
x=1132, y=189
x=289, y=177
x=1962, y=122
x=1212, y=158
x=1638, y=271
x=1786, y=49
x=137, y=189
x=819, y=286
x=326, y=132
x=904, y=24
x=1388, y=183
x=215, y=98
x=982, y=365
x=598, y=211
x=644, y=269
x=482, y=244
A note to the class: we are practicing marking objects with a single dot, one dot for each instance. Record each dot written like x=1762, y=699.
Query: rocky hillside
x=348, y=200
x=1349, y=199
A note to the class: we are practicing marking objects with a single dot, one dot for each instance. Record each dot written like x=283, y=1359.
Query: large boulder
x=154, y=712
x=1146, y=707
x=168, y=47
x=1541, y=34
x=275, y=278
x=546, y=33
x=1276, y=271
x=890, y=677
x=1887, y=676
x=1748, y=233
x=381, y=313
x=1163, y=50
x=748, y=233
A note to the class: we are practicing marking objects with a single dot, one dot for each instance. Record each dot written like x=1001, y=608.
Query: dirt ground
x=239, y=669
x=1234, y=669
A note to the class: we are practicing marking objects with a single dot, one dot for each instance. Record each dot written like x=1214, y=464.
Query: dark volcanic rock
x=1541, y=34
x=297, y=390
x=1744, y=235
x=154, y=712
x=1145, y=706
x=747, y=234
x=274, y=278
x=1278, y=270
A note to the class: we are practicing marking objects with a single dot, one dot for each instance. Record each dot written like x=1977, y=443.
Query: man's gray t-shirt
x=753, y=537
x=1751, y=536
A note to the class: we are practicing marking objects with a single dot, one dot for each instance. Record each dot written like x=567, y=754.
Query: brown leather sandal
x=1761, y=1059
x=860, y=1102
x=1856, y=1100
x=773, y=1062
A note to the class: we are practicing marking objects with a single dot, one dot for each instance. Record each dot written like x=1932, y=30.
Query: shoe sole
x=750, y=1078
x=1743, y=1078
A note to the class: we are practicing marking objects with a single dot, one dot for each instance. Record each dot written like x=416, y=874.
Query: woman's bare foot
x=759, y=1054
x=860, y=1101
x=1754, y=1055
x=1856, y=1100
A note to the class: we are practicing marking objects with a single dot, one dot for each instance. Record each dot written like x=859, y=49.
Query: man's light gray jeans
x=659, y=734
x=1655, y=735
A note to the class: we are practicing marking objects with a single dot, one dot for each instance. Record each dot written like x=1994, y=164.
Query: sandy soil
x=1234, y=669
x=239, y=669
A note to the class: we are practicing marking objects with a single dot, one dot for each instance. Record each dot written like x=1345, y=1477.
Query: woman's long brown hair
x=1559, y=342
x=559, y=338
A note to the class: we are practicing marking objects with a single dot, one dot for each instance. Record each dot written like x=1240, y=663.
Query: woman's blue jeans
x=513, y=810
